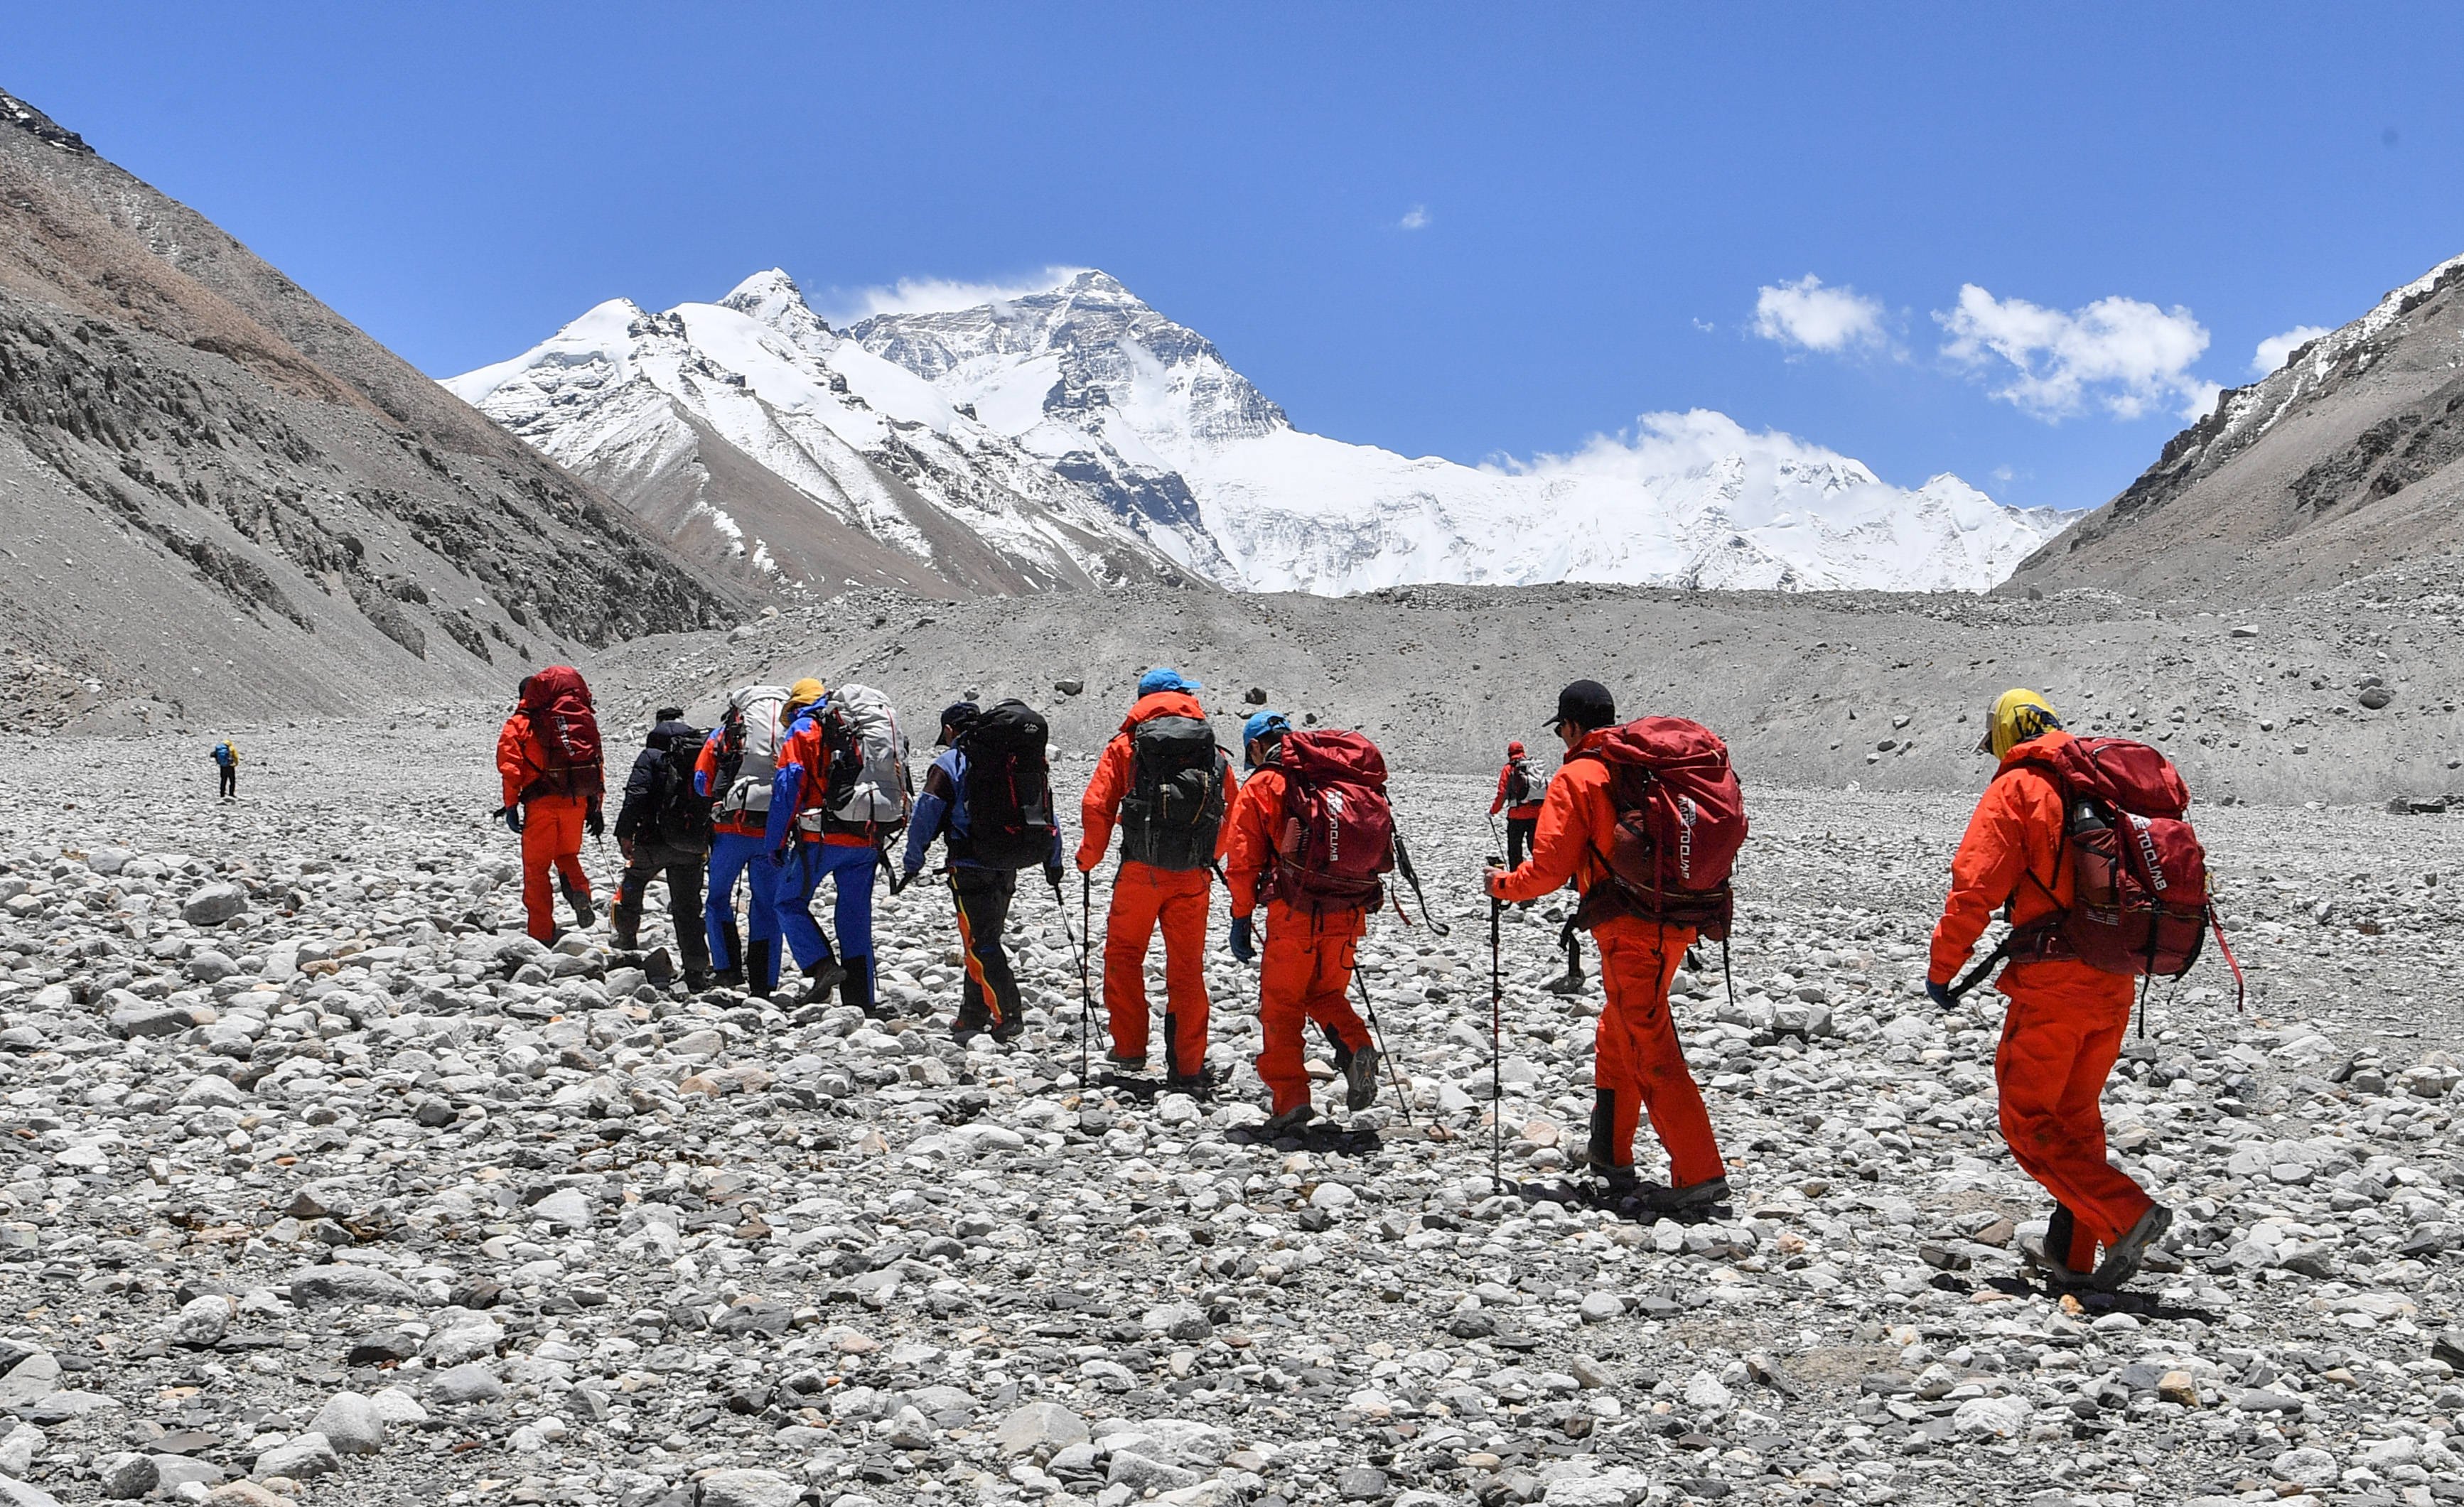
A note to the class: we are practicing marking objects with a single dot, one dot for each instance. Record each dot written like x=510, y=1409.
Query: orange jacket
x=1577, y=827
x=1100, y=808
x=1249, y=831
x=2017, y=832
x=1520, y=811
x=521, y=759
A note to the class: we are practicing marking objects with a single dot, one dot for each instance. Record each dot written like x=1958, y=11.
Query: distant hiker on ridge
x=227, y=762
x=1519, y=790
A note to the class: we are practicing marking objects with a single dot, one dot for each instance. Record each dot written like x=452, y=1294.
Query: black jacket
x=637, y=819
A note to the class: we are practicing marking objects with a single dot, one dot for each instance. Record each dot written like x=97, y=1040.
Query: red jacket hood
x=2045, y=746
x=1164, y=704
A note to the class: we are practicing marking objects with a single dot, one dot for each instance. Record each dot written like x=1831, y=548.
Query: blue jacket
x=787, y=785
x=943, y=807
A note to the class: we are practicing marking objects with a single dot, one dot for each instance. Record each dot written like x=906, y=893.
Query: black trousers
x=231, y=779
x=683, y=868
x=1518, y=838
x=989, y=999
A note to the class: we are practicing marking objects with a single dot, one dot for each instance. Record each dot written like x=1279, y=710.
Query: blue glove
x=513, y=817
x=1941, y=994
x=1243, y=948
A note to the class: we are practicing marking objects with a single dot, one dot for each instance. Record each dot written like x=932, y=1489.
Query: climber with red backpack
x=2082, y=844
x=988, y=798
x=1167, y=784
x=1646, y=818
x=664, y=828
x=1313, y=835
x=842, y=787
x=548, y=758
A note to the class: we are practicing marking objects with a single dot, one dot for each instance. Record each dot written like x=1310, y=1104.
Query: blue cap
x=1155, y=680
x=1259, y=727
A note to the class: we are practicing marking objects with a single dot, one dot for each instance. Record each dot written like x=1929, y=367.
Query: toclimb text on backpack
x=1335, y=842
x=1680, y=818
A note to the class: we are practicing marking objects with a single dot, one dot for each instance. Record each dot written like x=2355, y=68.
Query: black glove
x=512, y=817
x=1053, y=875
x=596, y=823
x=1244, y=947
x=1941, y=994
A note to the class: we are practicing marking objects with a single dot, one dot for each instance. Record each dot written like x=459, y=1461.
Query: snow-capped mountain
x=1079, y=420
x=755, y=435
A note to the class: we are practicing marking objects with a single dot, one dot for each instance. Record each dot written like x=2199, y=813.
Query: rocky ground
x=324, y=1183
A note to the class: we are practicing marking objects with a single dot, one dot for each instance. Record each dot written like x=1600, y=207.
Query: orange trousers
x=2059, y=1038
x=551, y=838
x=1142, y=896
x=1637, y=1066
x=1304, y=974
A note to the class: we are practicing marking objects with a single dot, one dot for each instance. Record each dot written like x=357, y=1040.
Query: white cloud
x=2118, y=354
x=937, y=295
x=1416, y=218
x=2272, y=351
x=1806, y=314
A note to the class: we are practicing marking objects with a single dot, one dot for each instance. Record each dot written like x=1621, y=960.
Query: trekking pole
x=1496, y=1035
x=1086, y=1000
x=1377, y=1034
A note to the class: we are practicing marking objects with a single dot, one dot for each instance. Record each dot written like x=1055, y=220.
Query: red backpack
x=1338, y=832
x=558, y=704
x=2141, y=907
x=1680, y=818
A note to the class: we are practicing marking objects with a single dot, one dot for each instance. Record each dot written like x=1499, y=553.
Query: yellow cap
x=804, y=692
x=2018, y=714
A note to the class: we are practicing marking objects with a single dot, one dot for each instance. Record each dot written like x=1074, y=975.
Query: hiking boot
x=700, y=980
x=822, y=980
x=620, y=936
x=1693, y=1197
x=760, y=975
x=1126, y=1064
x=1360, y=1077
x=1008, y=1028
x=1289, y=1121
x=2033, y=1252
x=2123, y=1258
x=856, y=989
x=579, y=898
x=724, y=979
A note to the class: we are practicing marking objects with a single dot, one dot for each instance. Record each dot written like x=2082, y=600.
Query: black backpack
x=1174, y=811
x=1521, y=790
x=680, y=817
x=1008, y=790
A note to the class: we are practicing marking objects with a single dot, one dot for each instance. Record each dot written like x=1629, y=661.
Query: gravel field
x=324, y=1183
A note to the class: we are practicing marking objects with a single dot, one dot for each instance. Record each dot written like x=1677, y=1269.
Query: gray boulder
x=213, y=905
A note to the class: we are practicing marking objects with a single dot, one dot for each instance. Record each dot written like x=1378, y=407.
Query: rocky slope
x=1080, y=437
x=2347, y=695
x=2340, y=462
x=223, y=496
x=756, y=438
x=326, y=1179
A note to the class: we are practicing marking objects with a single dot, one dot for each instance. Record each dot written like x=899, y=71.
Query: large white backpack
x=751, y=735
x=873, y=790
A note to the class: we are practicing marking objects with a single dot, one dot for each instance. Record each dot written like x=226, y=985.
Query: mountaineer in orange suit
x=1637, y=1064
x=1307, y=973
x=554, y=782
x=2065, y=1026
x=1166, y=783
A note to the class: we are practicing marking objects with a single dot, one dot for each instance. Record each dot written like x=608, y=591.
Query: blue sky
x=1464, y=230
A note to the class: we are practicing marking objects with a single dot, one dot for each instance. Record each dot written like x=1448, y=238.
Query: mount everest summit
x=1076, y=437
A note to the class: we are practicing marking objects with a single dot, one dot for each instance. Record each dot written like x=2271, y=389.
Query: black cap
x=668, y=715
x=956, y=717
x=1586, y=704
